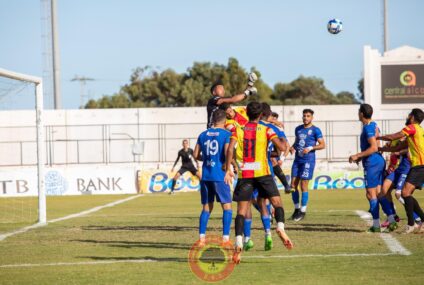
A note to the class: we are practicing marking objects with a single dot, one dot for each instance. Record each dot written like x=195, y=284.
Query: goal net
x=22, y=151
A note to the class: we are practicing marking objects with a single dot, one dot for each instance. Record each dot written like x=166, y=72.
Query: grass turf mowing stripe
x=392, y=243
x=167, y=260
x=76, y=215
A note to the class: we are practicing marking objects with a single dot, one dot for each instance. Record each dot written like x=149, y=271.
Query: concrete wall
x=109, y=136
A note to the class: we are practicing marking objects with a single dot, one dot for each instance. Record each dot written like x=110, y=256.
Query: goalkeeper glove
x=250, y=91
x=251, y=79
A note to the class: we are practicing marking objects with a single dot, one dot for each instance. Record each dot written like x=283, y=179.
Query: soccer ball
x=334, y=26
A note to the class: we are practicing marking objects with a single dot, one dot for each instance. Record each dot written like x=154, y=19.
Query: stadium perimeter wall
x=112, y=136
x=92, y=151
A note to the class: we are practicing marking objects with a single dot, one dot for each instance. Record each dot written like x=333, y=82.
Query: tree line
x=150, y=87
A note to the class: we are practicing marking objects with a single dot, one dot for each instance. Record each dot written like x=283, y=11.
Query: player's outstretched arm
x=397, y=148
x=391, y=137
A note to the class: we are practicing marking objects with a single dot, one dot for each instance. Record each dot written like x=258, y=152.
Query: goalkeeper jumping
x=218, y=93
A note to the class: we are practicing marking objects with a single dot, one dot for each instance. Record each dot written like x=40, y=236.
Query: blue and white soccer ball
x=334, y=26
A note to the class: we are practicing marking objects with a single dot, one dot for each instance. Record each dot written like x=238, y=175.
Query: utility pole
x=83, y=82
x=56, y=60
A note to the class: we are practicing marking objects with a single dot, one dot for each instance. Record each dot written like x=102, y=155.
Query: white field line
x=83, y=213
x=392, y=243
x=151, y=260
x=77, y=263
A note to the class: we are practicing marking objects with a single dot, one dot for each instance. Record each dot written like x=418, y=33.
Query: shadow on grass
x=321, y=228
x=139, y=258
x=140, y=228
x=133, y=244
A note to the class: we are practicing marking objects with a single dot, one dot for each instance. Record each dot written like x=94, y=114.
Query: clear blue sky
x=107, y=39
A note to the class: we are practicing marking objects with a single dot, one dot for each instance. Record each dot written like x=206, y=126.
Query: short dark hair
x=266, y=109
x=366, y=110
x=418, y=115
x=216, y=83
x=310, y=111
x=218, y=116
x=254, y=110
x=224, y=106
x=275, y=115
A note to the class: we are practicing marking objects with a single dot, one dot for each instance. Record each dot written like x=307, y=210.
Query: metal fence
x=149, y=143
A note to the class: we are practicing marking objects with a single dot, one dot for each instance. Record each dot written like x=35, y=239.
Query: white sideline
x=392, y=243
x=151, y=260
x=83, y=213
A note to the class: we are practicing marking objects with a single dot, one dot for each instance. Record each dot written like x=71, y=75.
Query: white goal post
x=37, y=81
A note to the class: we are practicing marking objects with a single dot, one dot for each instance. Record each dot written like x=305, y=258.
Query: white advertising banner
x=87, y=180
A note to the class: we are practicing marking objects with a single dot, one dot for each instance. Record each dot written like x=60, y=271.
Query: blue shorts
x=303, y=170
x=210, y=189
x=398, y=179
x=374, y=173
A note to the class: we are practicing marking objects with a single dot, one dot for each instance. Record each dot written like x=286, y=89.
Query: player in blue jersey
x=277, y=162
x=211, y=148
x=308, y=139
x=397, y=172
x=373, y=163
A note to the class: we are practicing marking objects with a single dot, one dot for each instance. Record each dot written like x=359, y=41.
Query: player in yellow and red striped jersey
x=255, y=172
x=414, y=134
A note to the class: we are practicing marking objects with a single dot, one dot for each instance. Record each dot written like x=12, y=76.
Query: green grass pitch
x=331, y=246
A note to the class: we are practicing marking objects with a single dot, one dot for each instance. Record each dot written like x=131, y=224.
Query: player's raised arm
x=399, y=147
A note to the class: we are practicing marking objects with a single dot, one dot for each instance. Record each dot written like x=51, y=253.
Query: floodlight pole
x=55, y=58
x=385, y=27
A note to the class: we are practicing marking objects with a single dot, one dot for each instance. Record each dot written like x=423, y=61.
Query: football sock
x=266, y=222
x=203, y=222
x=173, y=184
x=392, y=205
x=226, y=222
x=409, y=208
x=417, y=209
x=239, y=222
x=246, y=228
x=305, y=198
x=280, y=174
x=375, y=212
x=269, y=209
x=279, y=215
x=295, y=197
x=385, y=205
x=400, y=199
